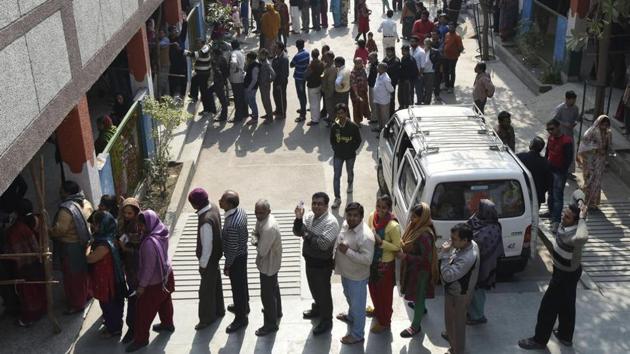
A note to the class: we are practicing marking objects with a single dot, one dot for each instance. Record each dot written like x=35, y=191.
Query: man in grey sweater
x=319, y=230
x=559, y=299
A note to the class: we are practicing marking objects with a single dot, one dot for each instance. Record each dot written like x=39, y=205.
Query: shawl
x=73, y=204
x=594, y=139
x=105, y=237
x=488, y=235
x=157, y=234
x=129, y=227
x=423, y=224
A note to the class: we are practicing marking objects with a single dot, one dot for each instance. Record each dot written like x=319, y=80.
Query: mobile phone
x=300, y=204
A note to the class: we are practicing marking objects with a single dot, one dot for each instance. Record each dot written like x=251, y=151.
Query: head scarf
x=487, y=234
x=593, y=137
x=418, y=226
x=198, y=197
x=129, y=227
x=105, y=237
x=157, y=233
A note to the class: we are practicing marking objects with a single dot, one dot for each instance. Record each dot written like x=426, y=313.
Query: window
x=407, y=184
x=391, y=133
x=460, y=200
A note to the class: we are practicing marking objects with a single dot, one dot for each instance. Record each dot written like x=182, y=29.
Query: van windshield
x=460, y=200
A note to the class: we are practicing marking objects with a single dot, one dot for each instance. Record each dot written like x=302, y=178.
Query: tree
x=486, y=6
x=598, y=28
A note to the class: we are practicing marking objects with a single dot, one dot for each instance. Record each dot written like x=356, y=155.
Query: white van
x=449, y=157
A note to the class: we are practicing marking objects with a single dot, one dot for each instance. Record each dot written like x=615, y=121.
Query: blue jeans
x=356, y=296
x=300, y=87
x=250, y=97
x=418, y=86
x=337, y=166
x=555, y=202
x=477, y=304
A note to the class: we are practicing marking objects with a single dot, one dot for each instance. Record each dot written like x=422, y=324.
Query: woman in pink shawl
x=594, y=149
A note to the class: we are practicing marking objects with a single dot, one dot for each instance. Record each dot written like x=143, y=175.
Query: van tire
x=382, y=185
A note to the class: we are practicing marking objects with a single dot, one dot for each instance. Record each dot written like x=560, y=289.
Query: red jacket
x=559, y=152
x=422, y=29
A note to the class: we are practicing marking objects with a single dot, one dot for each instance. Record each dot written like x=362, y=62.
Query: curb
x=519, y=70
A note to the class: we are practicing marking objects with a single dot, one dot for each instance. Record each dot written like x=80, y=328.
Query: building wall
x=51, y=52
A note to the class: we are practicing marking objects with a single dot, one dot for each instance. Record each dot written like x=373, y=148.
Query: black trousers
x=270, y=296
x=392, y=102
x=558, y=302
x=481, y=104
x=319, y=284
x=130, y=318
x=206, y=93
x=279, y=92
x=342, y=97
x=405, y=94
x=219, y=90
x=240, y=288
x=449, y=72
x=211, y=304
x=240, y=105
x=177, y=84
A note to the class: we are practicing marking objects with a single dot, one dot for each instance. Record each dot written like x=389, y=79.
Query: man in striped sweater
x=235, y=236
x=319, y=230
x=559, y=299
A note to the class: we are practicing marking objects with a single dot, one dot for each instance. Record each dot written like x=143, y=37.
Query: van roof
x=455, y=138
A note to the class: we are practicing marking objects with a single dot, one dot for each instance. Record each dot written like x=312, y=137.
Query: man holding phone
x=319, y=230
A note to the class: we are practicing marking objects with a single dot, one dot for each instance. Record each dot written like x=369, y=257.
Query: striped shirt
x=234, y=234
x=300, y=62
x=319, y=235
x=568, y=245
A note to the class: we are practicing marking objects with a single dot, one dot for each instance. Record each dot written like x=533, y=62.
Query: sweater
x=235, y=235
x=319, y=234
x=300, y=63
x=345, y=139
x=559, y=153
x=268, y=246
x=459, y=269
x=567, y=246
x=280, y=65
x=391, y=242
x=355, y=263
x=209, y=247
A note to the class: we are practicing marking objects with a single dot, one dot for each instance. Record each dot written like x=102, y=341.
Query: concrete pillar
x=172, y=10
x=139, y=63
x=76, y=146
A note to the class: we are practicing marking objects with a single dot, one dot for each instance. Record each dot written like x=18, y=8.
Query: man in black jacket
x=220, y=70
x=538, y=167
x=408, y=74
x=345, y=138
x=393, y=70
x=280, y=65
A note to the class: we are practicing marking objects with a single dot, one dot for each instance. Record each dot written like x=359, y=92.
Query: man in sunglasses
x=559, y=155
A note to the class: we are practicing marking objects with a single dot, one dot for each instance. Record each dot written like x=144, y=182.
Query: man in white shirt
x=209, y=250
x=342, y=83
x=237, y=78
x=390, y=33
x=420, y=57
x=268, y=242
x=428, y=72
x=353, y=257
x=383, y=90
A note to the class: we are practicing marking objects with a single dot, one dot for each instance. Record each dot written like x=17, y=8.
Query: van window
x=460, y=200
x=407, y=184
x=391, y=133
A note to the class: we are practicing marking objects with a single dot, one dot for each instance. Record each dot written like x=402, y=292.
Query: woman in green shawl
x=106, y=131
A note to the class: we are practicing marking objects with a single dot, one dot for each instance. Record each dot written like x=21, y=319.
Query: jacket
x=539, y=168
x=345, y=139
x=483, y=87
x=459, y=269
x=280, y=65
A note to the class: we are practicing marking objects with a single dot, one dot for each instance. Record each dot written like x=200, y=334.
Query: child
x=361, y=52
x=107, y=279
x=371, y=44
x=505, y=130
x=236, y=19
x=364, y=19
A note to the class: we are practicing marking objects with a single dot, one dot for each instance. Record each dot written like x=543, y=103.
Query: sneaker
x=564, y=342
x=479, y=321
x=530, y=343
x=336, y=203
x=349, y=190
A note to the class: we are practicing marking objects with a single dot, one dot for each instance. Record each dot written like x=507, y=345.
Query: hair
x=232, y=198
x=575, y=210
x=252, y=55
x=141, y=219
x=361, y=43
x=299, y=43
x=570, y=95
x=355, y=206
x=554, y=122
x=504, y=114
x=321, y=195
x=24, y=210
x=110, y=203
x=537, y=144
x=329, y=56
x=482, y=66
x=70, y=187
x=451, y=23
x=405, y=48
x=326, y=48
x=235, y=44
x=280, y=45
x=373, y=55
x=392, y=49
x=315, y=53
x=390, y=13
x=97, y=217
x=425, y=13
x=264, y=203
x=464, y=231
x=382, y=65
x=263, y=52
x=340, y=61
x=370, y=34
x=428, y=42
x=385, y=198
x=342, y=106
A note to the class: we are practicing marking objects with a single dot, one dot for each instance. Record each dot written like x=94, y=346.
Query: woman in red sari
x=364, y=20
x=21, y=237
x=418, y=270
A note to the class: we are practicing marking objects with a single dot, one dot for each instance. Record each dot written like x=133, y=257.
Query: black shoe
x=311, y=123
x=472, y=322
x=134, y=347
x=530, y=343
x=161, y=328
x=232, y=308
x=236, y=325
x=201, y=325
x=128, y=338
x=410, y=332
x=263, y=331
x=445, y=336
x=411, y=304
x=322, y=327
x=310, y=314
x=566, y=343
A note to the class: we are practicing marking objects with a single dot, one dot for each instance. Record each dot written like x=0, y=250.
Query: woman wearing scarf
x=359, y=92
x=129, y=241
x=120, y=108
x=418, y=271
x=487, y=234
x=382, y=272
x=155, y=280
x=594, y=149
x=107, y=280
x=106, y=131
x=21, y=237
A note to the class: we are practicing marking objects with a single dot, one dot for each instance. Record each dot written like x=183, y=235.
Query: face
x=102, y=207
x=353, y=218
x=435, y=37
x=389, y=53
x=424, y=17
x=413, y=42
x=129, y=213
x=604, y=125
x=553, y=130
x=261, y=212
x=341, y=114
x=570, y=101
x=451, y=28
x=381, y=69
x=568, y=218
x=223, y=204
x=458, y=242
x=405, y=53
x=318, y=206
x=477, y=69
x=358, y=64
x=382, y=209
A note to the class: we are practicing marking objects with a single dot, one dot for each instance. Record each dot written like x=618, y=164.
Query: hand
x=343, y=248
x=299, y=213
x=378, y=240
x=140, y=291
x=226, y=271
x=446, y=246
x=583, y=209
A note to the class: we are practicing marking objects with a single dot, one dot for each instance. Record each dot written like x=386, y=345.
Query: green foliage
x=529, y=40
x=551, y=75
x=167, y=116
x=217, y=13
x=608, y=11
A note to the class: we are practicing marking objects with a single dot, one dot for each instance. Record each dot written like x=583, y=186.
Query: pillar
x=172, y=12
x=76, y=147
x=139, y=62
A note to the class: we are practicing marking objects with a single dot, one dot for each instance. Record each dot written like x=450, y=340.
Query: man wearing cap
x=209, y=250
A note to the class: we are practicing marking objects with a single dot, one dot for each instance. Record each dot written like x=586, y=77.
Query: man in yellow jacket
x=270, y=27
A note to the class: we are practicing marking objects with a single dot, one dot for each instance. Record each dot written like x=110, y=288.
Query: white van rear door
x=406, y=188
x=386, y=147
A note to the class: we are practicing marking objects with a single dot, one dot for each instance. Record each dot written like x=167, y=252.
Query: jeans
x=280, y=98
x=449, y=72
x=481, y=104
x=219, y=90
x=300, y=87
x=250, y=97
x=477, y=304
x=356, y=296
x=305, y=17
x=418, y=87
x=558, y=302
x=314, y=97
x=337, y=166
x=555, y=202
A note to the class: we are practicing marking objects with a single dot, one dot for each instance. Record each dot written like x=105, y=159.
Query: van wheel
x=382, y=185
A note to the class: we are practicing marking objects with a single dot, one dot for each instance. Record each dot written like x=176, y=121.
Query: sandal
x=409, y=332
x=351, y=340
x=344, y=318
